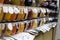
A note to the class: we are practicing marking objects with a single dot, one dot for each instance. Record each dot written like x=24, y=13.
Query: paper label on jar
x=9, y=25
x=2, y=26
x=26, y=10
x=5, y=9
x=16, y=10
x=35, y=10
x=11, y=10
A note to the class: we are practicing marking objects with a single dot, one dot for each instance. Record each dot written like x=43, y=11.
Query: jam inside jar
x=14, y=15
x=21, y=15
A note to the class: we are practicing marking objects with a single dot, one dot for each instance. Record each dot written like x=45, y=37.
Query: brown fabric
x=1, y=1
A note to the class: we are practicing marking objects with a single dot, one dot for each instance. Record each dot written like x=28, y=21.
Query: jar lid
x=9, y=25
x=26, y=10
x=34, y=10
x=16, y=10
x=11, y=10
x=5, y=9
x=3, y=26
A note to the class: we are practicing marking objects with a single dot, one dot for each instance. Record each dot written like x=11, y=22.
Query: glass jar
x=9, y=28
x=21, y=27
x=7, y=13
x=21, y=14
x=42, y=21
x=14, y=29
x=38, y=12
x=34, y=23
x=29, y=24
x=14, y=15
x=26, y=13
x=26, y=25
x=29, y=13
x=34, y=13
x=43, y=11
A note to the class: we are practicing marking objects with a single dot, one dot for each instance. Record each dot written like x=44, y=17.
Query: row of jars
x=17, y=27
x=23, y=2
x=20, y=13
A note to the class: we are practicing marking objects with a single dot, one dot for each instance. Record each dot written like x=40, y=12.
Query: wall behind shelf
x=57, y=36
